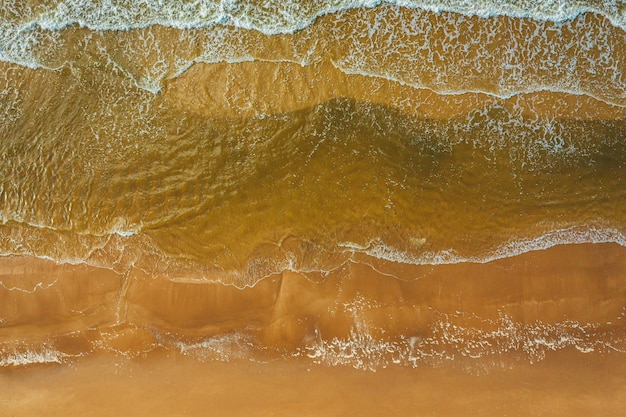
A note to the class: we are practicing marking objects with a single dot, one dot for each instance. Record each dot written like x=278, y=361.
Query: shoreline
x=542, y=332
x=565, y=384
x=575, y=291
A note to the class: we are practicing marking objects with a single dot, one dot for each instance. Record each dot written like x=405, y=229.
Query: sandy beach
x=115, y=357
x=313, y=209
x=564, y=384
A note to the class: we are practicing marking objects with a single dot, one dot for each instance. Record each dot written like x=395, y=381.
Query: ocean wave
x=122, y=256
x=276, y=17
x=116, y=229
x=569, y=236
x=33, y=38
x=504, y=92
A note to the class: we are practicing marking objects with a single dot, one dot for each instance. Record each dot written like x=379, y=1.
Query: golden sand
x=169, y=385
x=73, y=308
x=583, y=283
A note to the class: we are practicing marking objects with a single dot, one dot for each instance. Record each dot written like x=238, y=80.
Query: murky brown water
x=359, y=188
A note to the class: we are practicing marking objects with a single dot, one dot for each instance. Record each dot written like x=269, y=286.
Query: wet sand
x=565, y=384
x=582, y=283
x=119, y=339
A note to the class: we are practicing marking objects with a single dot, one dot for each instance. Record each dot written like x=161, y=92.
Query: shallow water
x=305, y=189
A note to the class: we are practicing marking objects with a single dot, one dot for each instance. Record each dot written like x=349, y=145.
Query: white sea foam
x=35, y=288
x=222, y=347
x=118, y=227
x=573, y=235
x=24, y=30
x=506, y=91
x=275, y=16
x=32, y=356
x=19, y=22
x=259, y=269
x=400, y=47
x=449, y=342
